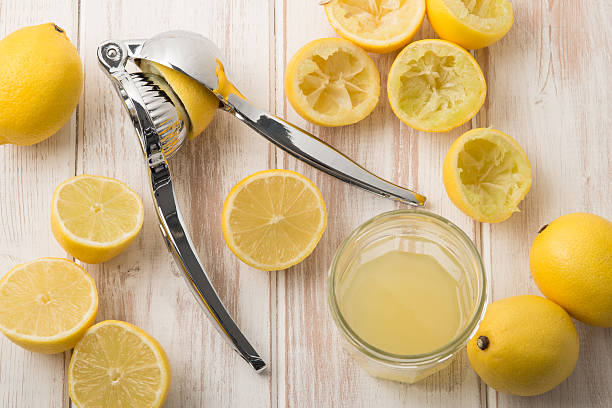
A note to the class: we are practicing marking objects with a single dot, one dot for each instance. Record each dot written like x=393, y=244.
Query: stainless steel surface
x=317, y=153
x=161, y=132
x=198, y=57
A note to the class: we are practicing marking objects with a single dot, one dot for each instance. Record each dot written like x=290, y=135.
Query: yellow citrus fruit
x=46, y=305
x=472, y=24
x=273, y=219
x=195, y=99
x=95, y=218
x=435, y=86
x=486, y=174
x=376, y=25
x=41, y=83
x=332, y=82
x=525, y=345
x=571, y=262
x=117, y=364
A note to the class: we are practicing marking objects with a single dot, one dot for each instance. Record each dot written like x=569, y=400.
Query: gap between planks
x=482, y=232
x=272, y=163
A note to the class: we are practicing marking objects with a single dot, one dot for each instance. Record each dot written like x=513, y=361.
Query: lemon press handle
x=199, y=58
x=312, y=150
x=161, y=132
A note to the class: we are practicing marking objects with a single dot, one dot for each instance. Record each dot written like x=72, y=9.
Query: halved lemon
x=198, y=102
x=376, y=25
x=332, y=82
x=47, y=305
x=486, y=174
x=273, y=219
x=117, y=364
x=472, y=24
x=95, y=218
x=435, y=86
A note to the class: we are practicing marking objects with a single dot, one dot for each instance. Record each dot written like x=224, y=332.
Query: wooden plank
x=143, y=285
x=318, y=372
x=29, y=175
x=549, y=88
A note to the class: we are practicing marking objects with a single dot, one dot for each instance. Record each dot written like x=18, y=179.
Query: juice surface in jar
x=402, y=303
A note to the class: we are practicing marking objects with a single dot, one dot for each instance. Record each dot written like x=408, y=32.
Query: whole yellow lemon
x=526, y=345
x=41, y=82
x=571, y=262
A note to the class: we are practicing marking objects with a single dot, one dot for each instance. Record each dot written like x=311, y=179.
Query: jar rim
x=438, y=355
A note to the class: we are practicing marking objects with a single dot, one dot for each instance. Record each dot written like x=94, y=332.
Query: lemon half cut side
x=117, y=364
x=95, y=218
x=435, y=86
x=273, y=219
x=46, y=305
x=376, y=25
x=200, y=105
x=332, y=82
x=486, y=174
x=473, y=24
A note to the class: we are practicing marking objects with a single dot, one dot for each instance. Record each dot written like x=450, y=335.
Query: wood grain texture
x=318, y=372
x=143, y=286
x=548, y=87
x=28, y=176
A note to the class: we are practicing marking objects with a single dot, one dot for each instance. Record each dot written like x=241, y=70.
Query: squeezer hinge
x=156, y=159
x=160, y=173
x=153, y=148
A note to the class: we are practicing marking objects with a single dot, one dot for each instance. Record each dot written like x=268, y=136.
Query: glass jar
x=420, y=232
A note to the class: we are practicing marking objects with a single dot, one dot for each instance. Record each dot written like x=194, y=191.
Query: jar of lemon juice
x=407, y=289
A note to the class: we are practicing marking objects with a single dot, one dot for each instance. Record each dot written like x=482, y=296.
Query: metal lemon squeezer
x=162, y=124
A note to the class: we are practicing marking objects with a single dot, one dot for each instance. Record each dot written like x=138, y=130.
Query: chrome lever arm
x=179, y=243
x=113, y=56
x=317, y=153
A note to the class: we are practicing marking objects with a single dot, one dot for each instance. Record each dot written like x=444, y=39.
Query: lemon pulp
x=490, y=175
x=98, y=217
x=95, y=218
x=486, y=174
x=376, y=25
x=472, y=24
x=484, y=15
x=435, y=85
x=332, y=82
x=46, y=305
x=273, y=219
x=116, y=364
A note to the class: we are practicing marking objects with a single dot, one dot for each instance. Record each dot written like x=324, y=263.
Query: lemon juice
x=402, y=303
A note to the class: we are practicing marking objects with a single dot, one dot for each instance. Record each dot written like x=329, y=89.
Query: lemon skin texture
x=571, y=262
x=42, y=81
x=200, y=104
x=448, y=26
x=525, y=345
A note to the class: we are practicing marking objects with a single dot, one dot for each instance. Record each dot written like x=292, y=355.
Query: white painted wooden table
x=549, y=87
